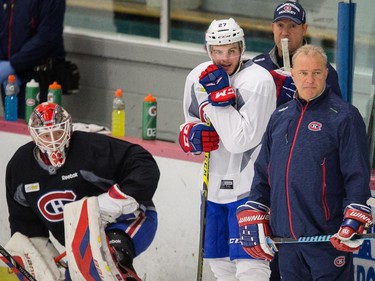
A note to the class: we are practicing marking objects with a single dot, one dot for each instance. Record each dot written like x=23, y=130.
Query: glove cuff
x=222, y=97
x=254, y=205
x=359, y=213
x=246, y=217
x=184, y=137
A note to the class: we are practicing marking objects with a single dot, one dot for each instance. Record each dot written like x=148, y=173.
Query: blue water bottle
x=11, y=99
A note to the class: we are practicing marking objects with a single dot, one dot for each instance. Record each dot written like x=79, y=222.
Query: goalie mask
x=50, y=127
x=224, y=32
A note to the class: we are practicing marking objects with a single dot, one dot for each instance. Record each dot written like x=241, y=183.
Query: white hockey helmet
x=225, y=31
x=50, y=127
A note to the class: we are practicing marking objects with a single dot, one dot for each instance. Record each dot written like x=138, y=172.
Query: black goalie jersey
x=36, y=193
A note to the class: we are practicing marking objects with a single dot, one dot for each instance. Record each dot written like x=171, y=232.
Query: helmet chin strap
x=238, y=68
x=240, y=61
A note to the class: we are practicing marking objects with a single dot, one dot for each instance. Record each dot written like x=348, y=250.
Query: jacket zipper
x=324, y=190
x=304, y=108
x=10, y=27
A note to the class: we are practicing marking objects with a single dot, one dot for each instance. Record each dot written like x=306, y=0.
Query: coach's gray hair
x=310, y=50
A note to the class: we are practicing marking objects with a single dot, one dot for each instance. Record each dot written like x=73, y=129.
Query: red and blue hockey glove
x=357, y=219
x=253, y=220
x=285, y=87
x=198, y=137
x=215, y=80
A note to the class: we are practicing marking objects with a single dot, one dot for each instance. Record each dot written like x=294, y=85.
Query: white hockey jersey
x=240, y=128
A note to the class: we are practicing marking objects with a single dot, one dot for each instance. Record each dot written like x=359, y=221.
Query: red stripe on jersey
x=133, y=228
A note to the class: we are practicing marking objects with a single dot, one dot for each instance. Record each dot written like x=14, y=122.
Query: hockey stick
x=15, y=264
x=322, y=238
x=318, y=238
x=285, y=50
x=203, y=213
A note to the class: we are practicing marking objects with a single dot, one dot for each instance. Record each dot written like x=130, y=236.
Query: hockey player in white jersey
x=227, y=104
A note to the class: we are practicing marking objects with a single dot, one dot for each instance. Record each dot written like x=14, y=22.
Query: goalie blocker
x=96, y=253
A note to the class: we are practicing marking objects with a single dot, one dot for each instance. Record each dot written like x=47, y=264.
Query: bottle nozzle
x=55, y=86
x=11, y=78
x=118, y=93
x=149, y=98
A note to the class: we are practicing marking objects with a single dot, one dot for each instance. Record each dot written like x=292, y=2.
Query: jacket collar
x=315, y=100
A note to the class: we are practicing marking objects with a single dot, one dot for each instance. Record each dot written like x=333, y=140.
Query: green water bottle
x=31, y=98
x=54, y=93
x=149, y=118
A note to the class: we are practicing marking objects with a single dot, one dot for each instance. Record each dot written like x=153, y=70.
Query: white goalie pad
x=88, y=254
x=36, y=255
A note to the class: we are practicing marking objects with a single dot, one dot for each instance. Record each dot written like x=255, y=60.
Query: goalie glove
x=122, y=249
x=198, y=137
x=253, y=220
x=36, y=255
x=285, y=87
x=357, y=219
x=115, y=203
x=215, y=80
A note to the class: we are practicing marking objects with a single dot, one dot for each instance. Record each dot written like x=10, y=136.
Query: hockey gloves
x=357, y=219
x=115, y=203
x=285, y=87
x=122, y=248
x=253, y=220
x=215, y=80
x=198, y=137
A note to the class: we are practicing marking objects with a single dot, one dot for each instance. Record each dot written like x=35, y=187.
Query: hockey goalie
x=91, y=192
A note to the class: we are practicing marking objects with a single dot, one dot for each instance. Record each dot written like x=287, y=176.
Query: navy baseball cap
x=290, y=10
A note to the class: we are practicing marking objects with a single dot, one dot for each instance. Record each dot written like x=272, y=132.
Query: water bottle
x=31, y=98
x=11, y=99
x=118, y=115
x=54, y=93
x=149, y=118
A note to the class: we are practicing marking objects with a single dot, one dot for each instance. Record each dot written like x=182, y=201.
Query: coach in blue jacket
x=31, y=35
x=311, y=178
x=289, y=21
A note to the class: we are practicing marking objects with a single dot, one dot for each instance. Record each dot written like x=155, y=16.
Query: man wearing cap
x=289, y=21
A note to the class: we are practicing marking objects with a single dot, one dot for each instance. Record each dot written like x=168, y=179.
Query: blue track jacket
x=271, y=61
x=314, y=161
x=31, y=31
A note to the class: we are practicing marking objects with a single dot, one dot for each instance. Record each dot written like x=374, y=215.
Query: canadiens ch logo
x=339, y=261
x=287, y=9
x=51, y=205
x=315, y=126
